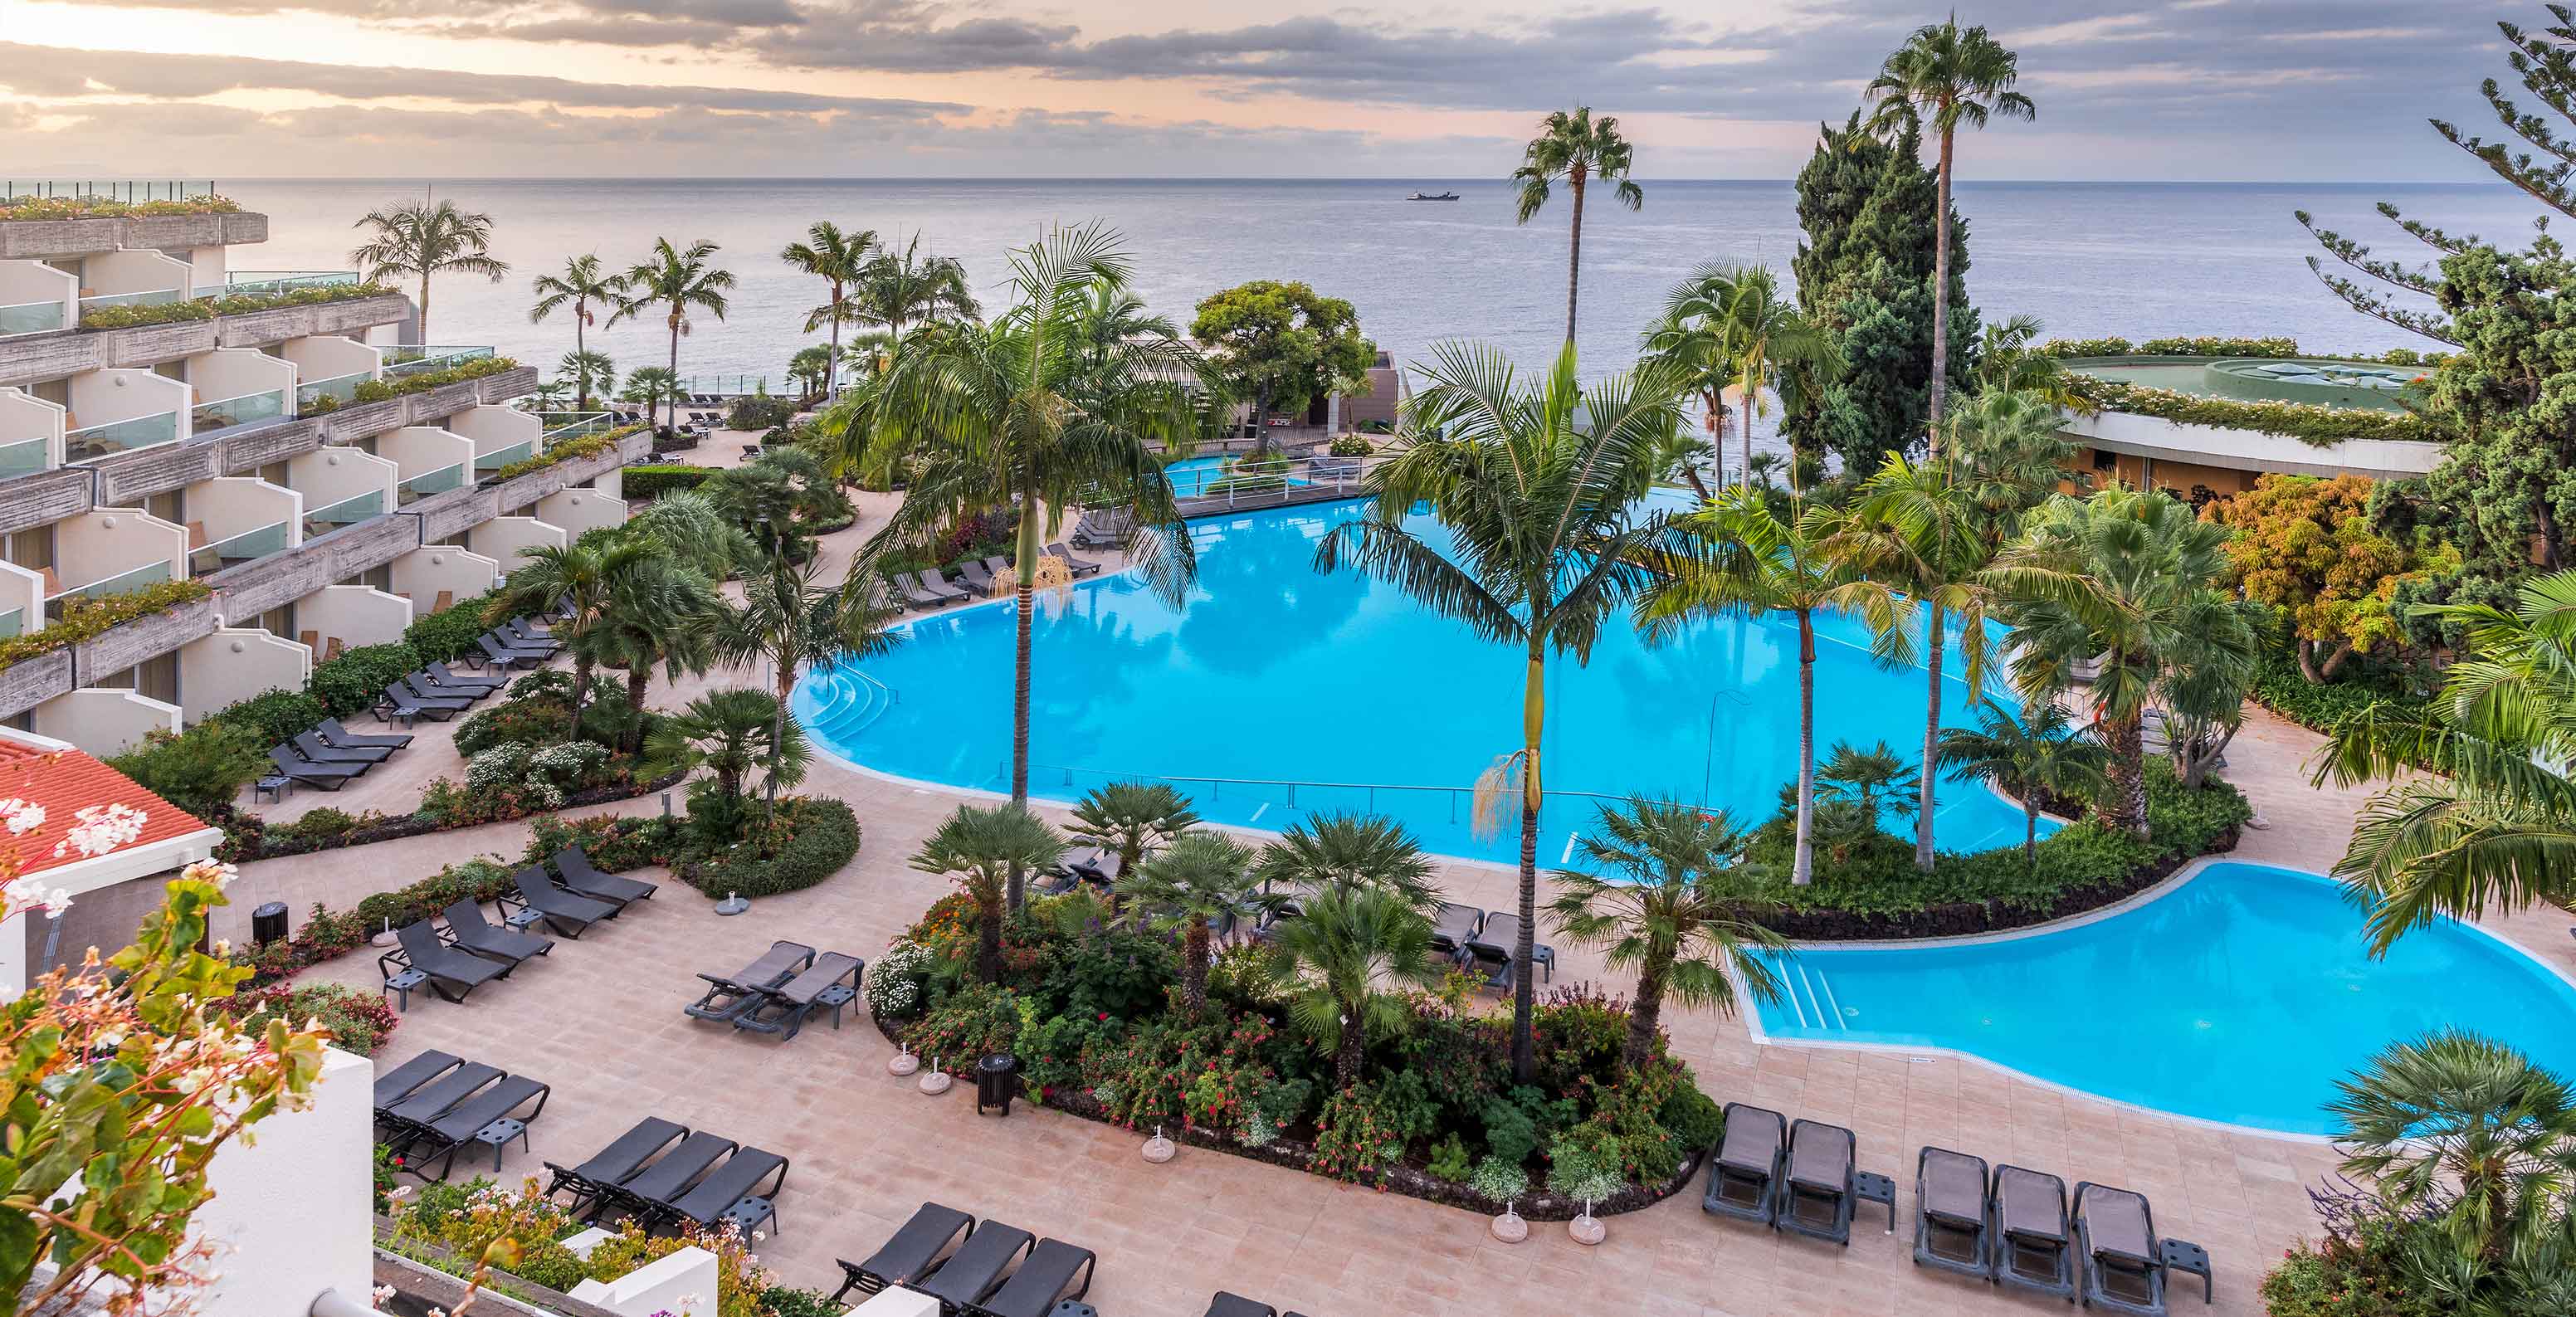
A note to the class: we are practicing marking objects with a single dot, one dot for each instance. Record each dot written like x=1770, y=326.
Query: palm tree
x=1663, y=894
x=1350, y=852
x=1193, y=885
x=1857, y=787
x=728, y=733
x=651, y=386
x=661, y=616
x=838, y=259
x=581, y=283
x=2040, y=753
x=1755, y=341
x=789, y=619
x=588, y=373
x=419, y=239
x=895, y=291
x=1951, y=76
x=2134, y=578
x=2495, y=821
x=2468, y=1132
x=2009, y=452
x=1577, y=148
x=1012, y=413
x=1129, y=819
x=1339, y=958
x=1536, y=489
x=678, y=281
x=981, y=847
x=2009, y=360
x=813, y=369
x=1740, y=557
x=578, y=581
x=699, y=538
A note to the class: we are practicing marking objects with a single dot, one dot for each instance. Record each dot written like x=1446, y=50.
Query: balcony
x=348, y=511
x=237, y=387
x=429, y=482
x=22, y=600
x=425, y=359
x=206, y=418
x=32, y=318
x=501, y=435
x=270, y=283
x=36, y=298
x=257, y=542
x=134, y=278
x=31, y=434
x=341, y=487
x=92, y=441
x=124, y=582
x=118, y=411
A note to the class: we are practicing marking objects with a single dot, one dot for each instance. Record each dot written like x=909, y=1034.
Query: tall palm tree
x=417, y=239
x=2042, y=752
x=582, y=283
x=981, y=846
x=1192, y=887
x=1129, y=819
x=813, y=370
x=2132, y=577
x=661, y=617
x=678, y=281
x=789, y=619
x=1341, y=958
x=1663, y=895
x=899, y=290
x=729, y=733
x=2467, y=1131
x=577, y=580
x=1740, y=557
x=1113, y=314
x=1013, y=413
x=839, y=260
x=1947, y=75
x=1579, y=149
x=1732, y=321
x=1349, y=852
x=1536, y=488
x=588, y=373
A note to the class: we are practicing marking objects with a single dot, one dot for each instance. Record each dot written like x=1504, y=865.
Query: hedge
x=652, y=481
x=820, y=835
x=353, y=682
x=2319, y=706
x=87, y=618
x=275, y=717
x=2224, y=347
x=448, y=634
x=207, y=308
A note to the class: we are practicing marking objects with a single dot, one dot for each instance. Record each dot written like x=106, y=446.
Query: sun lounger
x=2028, y=1222
x=313, y=750
x=400, y=703
x=437, y=1097
x=914, y=594
x=2120, y=1266
x=613, y=1165
x=1744, y=1175
x=403, y=1080
x=426, y=680
x=519, y=633
x=977, y=576
x=1816, y=1194
x=329, y=777
x=565, y=913
x=472, y=932
x=1235, y=1305
x=1454, y=927
x=505, y=656
x=729, y=996
x=1497, y=941
x=441, y=1139
x=647, y=1193
x=453, y=974
x=785, y=1009
x=334, y=734
x=581, y=878
x=1950, y=1224
x=909, y=1254
x=1093, y=864
x=976, y=1268
x=450, y=677
x=750, y=1179
x=1003, y=572
x=1053, y=1271
x=1080, y=567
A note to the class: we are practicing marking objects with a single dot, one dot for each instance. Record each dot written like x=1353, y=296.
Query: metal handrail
x=93, y=590
x=1216, y=786
x=501, y=457
x=214, y=408
x=73, y=440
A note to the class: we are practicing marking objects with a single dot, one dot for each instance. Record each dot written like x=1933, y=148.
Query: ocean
x=2137, y=260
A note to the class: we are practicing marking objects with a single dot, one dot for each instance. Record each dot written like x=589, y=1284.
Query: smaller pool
x=2240, y=996
x=1195, y=477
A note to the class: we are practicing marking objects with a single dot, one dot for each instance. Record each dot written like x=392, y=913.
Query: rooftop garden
x=64, y=208
x=2393, y=416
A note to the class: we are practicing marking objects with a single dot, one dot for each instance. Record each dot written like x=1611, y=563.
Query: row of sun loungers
x=471, y=950
x=948, y=1255
x=664, y=1176
x=976, y=580
x=780, y=991
x=433, y=1105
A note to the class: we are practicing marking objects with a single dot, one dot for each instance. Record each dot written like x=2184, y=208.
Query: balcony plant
x=86, y=619
x=207, y=308
x=63, y=208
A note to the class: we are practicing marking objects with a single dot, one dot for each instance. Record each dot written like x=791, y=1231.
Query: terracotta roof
x=63, y=781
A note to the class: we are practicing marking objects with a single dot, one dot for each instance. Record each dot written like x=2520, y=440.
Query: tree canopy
x=2307, y=547
x=1282, y=345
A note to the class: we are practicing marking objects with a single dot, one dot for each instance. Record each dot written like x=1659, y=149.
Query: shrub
x=1350, y=445
x=129, y=316
x=1448, y=1160
x=358, y=1020
x=2282, y=688
x=320, y=821
x=1585, y=1163
x=524, y=721
x=1353, y=1137
x=806, y=841
x=2309, y=423
x=614, y=843
x=759, y=412
x=86, y=618
x=1693, y=1118
x=91, y=207
x=353, y=682
x=275, y=717
x=480, y=880
x=642, y=483
x=199, y=770
x=569, y=450
x=479, y=367
x=741, y=1283
x=467, y=1220
x=448, y=634
x=1499, y=1180
x=976, y=1021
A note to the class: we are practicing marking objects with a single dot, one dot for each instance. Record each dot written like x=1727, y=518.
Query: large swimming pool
x=2240, y=996
x=1275, y=692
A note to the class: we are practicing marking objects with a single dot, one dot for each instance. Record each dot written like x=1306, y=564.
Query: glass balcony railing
x=344, y=512
x=13, y=623
x=31, y=318
x=149, y=297
x=501, y=457
x=270, y=283
x=422, y=359
x=430, y=482
x=96, y=441
x=23, y=458
x=341, y=387
x=127, y=582
x=207, y=417
x=223, y=553
x=572, y=425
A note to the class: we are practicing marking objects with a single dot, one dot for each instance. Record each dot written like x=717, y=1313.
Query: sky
x=2304, y=90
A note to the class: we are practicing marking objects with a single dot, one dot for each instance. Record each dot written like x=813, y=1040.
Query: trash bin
x=268, y=923
x=996, y=1078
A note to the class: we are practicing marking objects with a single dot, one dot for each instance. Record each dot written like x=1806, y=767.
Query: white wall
x=291, y=1215
x=236, y=663
x=578, y=510
x=425, y=571
x=501, y=538
x=356, y=614
x=2252, y=450
x=102, y=720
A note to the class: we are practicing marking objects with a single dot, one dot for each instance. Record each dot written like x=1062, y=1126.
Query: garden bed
x=1972, y=918
x=248, y=838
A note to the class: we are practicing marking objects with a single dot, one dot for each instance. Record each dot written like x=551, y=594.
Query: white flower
x=100, y=829
x=383, y=1293
x=21, y=816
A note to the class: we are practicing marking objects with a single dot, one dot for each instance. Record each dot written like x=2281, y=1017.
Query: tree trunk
x=1645, y=1013
x=1028, y=607
x=1802, y=871
x=639, y=679
x=1747, y=409
x=580, y=687
x=2030, y=824
x=1194, y=966
x=424, y=308
x=2124, y=806
x=832, y=355
x=673, y=392
x=1524, y=988
x=1712, y=422
x=2342, y=654
x=580, y=357
x=1574, y=263
x=1353, y=1050
x=1940, y=301
x=1935, y=637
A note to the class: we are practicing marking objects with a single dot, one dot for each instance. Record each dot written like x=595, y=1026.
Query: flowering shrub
x=978, y=1021
x=358, y=1021
x=90, y=207
x=741, y=1282
x=1499, y=1180
x=894, y=985
x=1354, y=1138
x=517, y=1230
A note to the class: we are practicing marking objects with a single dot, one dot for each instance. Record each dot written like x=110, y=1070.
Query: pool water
x=1275, y=692
x=2240, y=996
x=1192, y=477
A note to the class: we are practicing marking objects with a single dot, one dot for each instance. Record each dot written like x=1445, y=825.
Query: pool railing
x=1461, y=800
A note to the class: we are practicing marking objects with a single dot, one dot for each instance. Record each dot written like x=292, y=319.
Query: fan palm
x=839, y=260
x=1579, y=149
x=678, y=281
x=418, y=239
x=2009, y=360
x=897, y=290
x=729, y=733
x=1192, y=887
x=1949, y=76
x=1739, y=556
x=1756, y=341
x=660, y=616
x=1350, y=852
x=2009, y=453
x=2465, y=1130
x=2040, y=753
x=578, y=581
x=1130, y=818
x=1662, y=895
x=700, y=539
x=1858, y=787
x=1341, y=959
x=789, y=619
x=651, y=386
x=582, y=283
x=981, y=846
x=1536, y=488
x=812, y=369
x=1015, y=414
x=588, y=373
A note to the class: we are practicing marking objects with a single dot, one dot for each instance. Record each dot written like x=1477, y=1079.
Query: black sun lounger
x=2028, y=1222
x=452, y=973
x=1054, y=1270
x=729, y=996
x=2120, y=1264
x=1080, y=567
x=329, y=777
x=830, y=983
x=505, y=656
x=1235, y=1305
x=920, y=596
x=1454, y=927
x=335, y=734
x=749, y=1180
x=613, y=1165
x=518, y=634
x=1816, y=1194
x=437, y=1097
x=361, y=758
x=443, y=1137
x=446, y=676
x=581, y=878
x=1745, y=1173
x=907, y=1255
x=649, y=1191
x=473, y=932
x=1950, y=1213
x=566, y=913
x=401, y=703
x=425, y=680
x=978, y=577
x=429, y=696
x=403, y=1080
x=976, y=1268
